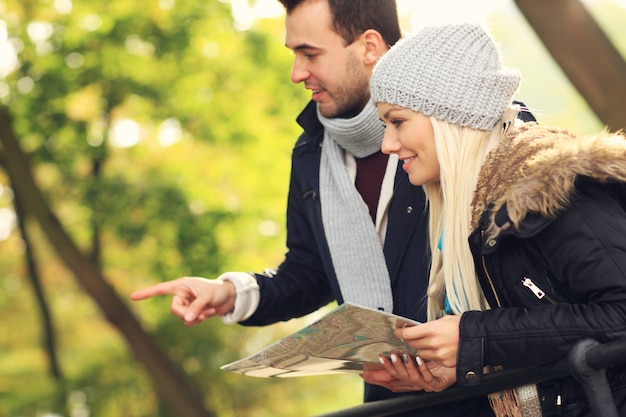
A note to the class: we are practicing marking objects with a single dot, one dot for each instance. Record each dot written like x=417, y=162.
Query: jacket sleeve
x=300, y=285
x=585, y=250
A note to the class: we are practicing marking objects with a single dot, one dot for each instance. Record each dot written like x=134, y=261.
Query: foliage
x=178, y=192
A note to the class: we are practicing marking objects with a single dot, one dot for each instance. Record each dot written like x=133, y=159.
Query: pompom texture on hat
x=451, y=72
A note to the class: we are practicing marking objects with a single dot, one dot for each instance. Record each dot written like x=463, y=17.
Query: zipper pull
x=527, y=282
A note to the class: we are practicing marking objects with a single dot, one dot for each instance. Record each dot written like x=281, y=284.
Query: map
x=348, y=339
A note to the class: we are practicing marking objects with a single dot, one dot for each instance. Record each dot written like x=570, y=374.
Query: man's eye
x=309, y=53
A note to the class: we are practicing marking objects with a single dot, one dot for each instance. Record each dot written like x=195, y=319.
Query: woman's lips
x=406, y=162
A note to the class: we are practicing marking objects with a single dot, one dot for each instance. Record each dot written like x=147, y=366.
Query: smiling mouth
x=315, y=90
x=316, y=95
x=406, y=161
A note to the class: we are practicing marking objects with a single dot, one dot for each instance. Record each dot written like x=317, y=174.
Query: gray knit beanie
x=451, y=72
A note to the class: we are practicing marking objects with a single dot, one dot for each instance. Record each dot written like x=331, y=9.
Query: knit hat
x=452, y=72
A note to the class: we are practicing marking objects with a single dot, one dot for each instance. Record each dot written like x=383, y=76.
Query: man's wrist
x=246, y=295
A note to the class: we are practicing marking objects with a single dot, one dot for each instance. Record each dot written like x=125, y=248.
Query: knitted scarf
x=355, y=248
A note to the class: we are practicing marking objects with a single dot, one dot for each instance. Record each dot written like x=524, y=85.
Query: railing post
x=593, y=380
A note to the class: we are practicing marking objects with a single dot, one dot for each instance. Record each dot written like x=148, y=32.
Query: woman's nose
x=390, y=143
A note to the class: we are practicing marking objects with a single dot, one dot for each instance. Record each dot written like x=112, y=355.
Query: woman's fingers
x=412, y=371
x=385, y=379
x=436, y=340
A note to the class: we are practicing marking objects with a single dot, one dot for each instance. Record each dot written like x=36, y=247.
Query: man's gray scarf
x=355, y=247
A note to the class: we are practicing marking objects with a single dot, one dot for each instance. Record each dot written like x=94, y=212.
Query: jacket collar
x=308, y=120
x=531, y=176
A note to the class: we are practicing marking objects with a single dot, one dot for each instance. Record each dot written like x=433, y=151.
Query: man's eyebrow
x=301, y=47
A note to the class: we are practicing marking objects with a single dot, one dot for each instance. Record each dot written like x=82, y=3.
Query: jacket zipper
x=539, y=293
x=488, y=275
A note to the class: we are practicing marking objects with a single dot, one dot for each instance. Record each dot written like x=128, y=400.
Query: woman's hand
x=436, y=341
x=404, y=373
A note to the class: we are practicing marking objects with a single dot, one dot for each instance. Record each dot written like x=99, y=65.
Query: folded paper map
x=350, y=338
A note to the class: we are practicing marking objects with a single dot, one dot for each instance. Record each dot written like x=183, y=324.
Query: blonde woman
x=527, y=226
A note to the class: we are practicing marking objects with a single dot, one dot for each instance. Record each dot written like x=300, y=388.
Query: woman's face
x=410, y=135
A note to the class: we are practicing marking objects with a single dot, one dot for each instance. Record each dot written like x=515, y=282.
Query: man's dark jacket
x=306, y=280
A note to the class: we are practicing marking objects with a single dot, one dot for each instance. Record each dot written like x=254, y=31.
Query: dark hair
x=353, y=17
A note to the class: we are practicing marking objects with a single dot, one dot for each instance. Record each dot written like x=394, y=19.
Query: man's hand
x=194, y=299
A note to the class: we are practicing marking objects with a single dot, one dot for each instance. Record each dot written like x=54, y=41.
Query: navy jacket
x=306, y=280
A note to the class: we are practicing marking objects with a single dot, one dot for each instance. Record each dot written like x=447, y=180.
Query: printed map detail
x=348, y=339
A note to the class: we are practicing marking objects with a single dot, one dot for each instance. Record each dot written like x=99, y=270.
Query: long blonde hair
x=461, y=152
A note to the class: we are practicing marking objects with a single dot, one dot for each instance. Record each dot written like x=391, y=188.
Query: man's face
x=333, y=71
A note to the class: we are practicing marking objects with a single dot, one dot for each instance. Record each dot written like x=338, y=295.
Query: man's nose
x=299, y=72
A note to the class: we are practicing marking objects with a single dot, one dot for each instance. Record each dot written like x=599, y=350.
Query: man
x=356, y=227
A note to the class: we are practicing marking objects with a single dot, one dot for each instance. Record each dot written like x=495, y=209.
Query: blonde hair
x=461, y=152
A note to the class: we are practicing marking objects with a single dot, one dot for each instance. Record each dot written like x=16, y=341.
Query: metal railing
x=587, y=362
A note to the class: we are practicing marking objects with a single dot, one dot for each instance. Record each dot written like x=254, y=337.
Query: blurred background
x=152, y=140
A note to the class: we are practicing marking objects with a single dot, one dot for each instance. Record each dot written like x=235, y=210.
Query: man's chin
x=331, y=112
x=327, y=110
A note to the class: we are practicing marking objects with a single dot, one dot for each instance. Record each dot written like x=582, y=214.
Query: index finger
x=163, y=288
x=407, y=333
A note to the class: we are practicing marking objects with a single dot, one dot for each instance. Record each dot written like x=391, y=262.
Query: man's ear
x=375, y=46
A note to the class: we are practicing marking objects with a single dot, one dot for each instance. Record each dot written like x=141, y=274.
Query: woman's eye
x=396, y=122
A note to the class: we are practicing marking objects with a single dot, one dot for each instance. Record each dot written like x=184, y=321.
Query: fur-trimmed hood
x=534, y=168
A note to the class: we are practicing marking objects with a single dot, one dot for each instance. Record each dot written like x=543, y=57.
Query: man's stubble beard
x=351, y=97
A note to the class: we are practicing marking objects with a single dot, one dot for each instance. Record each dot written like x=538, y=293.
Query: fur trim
x=534, y=169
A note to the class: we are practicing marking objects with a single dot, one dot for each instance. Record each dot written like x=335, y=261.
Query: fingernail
x=189, y=316
x=381, y=360
x=419, y=361
x=394, y=358
x=405, y=358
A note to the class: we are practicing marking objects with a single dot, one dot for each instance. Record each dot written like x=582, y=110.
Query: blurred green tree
x=135, y=134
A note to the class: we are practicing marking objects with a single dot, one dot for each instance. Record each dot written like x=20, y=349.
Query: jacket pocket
x=531, y=290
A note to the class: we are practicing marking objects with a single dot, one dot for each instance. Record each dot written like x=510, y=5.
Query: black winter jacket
x=550, y=252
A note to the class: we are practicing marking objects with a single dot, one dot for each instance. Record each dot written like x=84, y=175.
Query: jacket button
x=491, y=243
x=471, y=376
x=409, y=209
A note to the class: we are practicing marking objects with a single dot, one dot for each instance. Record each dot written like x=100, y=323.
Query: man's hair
x=353, y=17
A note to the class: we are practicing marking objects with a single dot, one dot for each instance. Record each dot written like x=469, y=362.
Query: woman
x=543, y=210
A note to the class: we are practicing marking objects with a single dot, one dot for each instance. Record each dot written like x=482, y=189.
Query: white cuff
x=248, y=296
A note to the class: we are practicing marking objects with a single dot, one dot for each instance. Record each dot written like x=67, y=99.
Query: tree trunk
x=584, y=53
x=169, y=380
x=33, y=273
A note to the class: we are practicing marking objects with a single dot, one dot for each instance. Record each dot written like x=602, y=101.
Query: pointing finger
x=163, y=288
